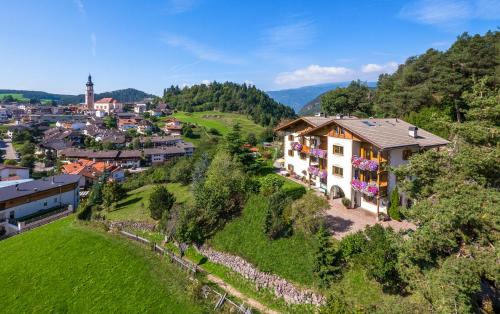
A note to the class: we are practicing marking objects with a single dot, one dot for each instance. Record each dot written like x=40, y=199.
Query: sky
x=52, y=45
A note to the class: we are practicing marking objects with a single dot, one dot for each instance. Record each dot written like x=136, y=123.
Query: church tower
x=89, y=94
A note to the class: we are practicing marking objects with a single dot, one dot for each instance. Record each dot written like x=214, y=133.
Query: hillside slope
x=71, y=268
x=123, y=95
x=228, y=97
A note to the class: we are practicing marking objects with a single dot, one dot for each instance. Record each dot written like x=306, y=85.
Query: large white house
x=108, y=105
x=23, y=201
x=350, y=157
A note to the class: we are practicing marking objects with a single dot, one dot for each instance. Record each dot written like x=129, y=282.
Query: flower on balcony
x=318, y=152
x=363, y=163
x=314, y=171
x=365, y=188
x=297, y=146
x=323, y=174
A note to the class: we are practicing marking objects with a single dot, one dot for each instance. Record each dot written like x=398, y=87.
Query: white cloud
x=80, y=6
x=249, y=83
x=180, y=6
x=379, y=68
x=314, y=74
x=199, y=50
x=292, y=35
x=449, y=12
x=93, y=42
x=206, y=82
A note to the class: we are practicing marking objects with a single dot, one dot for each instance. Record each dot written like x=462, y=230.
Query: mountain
x=314, y=106
x=298, y=97
x=123, y=95
x=228, y=97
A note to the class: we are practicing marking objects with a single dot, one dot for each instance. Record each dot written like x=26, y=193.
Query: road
x=10, y=151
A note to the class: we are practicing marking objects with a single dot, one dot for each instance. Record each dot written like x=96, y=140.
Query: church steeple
x=89, y=82
x=89, y=93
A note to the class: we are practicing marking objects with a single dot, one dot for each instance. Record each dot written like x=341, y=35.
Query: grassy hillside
x=65, y=267
x=222, y=121
x=135, y=205
x=17, y=97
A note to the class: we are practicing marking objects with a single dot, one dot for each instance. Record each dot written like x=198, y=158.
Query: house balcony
x=364, y=164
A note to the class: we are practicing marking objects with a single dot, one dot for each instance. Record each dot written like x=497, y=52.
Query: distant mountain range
x=123, y=95
x=297, y=98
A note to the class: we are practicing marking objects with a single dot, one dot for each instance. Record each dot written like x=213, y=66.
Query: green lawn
x=291, y=257
x=222, y=121
x=135, y=205
x=17, y=97
x=67, y=267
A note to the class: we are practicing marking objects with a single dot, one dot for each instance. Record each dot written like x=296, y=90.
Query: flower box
x=364, y=164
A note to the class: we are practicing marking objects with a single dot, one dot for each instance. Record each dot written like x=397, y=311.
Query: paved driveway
x=343, y=221
x=10, y=152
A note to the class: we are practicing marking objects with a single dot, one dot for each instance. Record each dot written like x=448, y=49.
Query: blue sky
x=149, y=45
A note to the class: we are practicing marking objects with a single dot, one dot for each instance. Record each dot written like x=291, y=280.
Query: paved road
x=10, y=152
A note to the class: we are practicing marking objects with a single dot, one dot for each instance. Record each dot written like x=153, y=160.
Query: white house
x=24, y=200
x=108, y=105
x=140, y=108
x=350, y=157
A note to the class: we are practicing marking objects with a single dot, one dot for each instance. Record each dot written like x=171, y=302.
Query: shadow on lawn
x=128, y=202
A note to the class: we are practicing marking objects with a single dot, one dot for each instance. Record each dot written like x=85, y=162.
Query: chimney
x=413, y=131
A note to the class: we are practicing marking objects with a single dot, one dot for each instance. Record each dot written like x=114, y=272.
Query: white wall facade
x=65, y=198
x=299, y=165
x=342, y=161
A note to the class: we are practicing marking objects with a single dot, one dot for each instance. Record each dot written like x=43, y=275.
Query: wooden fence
x=191, y=268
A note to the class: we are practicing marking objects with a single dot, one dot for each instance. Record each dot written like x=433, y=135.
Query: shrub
x=346, y=202
x=352, y=244
x=214, y=131
x=85, y=213
x=270, y=184
x=306, y=213
x=182, y=171
x=275, y=225
x=295, y=192
x=328, y=262
x=160, y=201
x=394, y=211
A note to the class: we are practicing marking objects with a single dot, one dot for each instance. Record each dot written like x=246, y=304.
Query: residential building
x=27, y=199
x=144, y=127
x=127, y=124
x=350, y=157
x=108, y=105
x=91, y=171
x=9, y=172
x=140, y=108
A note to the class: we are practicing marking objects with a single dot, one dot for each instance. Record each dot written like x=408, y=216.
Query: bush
x=214, y=131
x=346, y=202
x=351, y=245
x=182, y=171
x=275, y=225
x=160, y=202
x=270, y=184
x=85, y=213
x=394, y=210
x=295, y=192
x=306, y=214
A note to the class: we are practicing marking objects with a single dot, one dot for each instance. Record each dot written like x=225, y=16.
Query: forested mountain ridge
x=123, y=95
x=228, y=97
x=299, y=97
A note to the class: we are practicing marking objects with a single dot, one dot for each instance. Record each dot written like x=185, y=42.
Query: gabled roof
x=310, y=120
x=386, y=133
x=106, y=100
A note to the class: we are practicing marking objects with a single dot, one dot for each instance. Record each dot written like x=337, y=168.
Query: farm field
x=222, y=121
x=68, y=267
x=135, y=205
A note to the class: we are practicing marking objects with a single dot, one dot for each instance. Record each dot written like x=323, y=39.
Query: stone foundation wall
x=280, y=287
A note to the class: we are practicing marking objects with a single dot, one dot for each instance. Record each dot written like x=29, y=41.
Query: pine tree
x=328, y=259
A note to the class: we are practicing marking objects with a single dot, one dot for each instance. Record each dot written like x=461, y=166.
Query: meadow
x=68, y=267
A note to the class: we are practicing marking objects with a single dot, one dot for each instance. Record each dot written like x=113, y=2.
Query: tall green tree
x=160, y=202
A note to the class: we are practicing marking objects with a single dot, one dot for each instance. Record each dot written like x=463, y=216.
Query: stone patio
x=342, y=221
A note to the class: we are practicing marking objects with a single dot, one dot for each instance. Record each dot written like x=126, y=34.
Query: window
x=372, y=175
x=406, y=154
x=290, y=137
x=337, y=171
x=55, y=199
x=290, y=167
x=342, y=131
x=302, y=156
x=290, y=153
x=338, y=150
x=45, y=203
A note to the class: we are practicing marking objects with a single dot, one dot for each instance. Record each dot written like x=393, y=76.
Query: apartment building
x=350, y=157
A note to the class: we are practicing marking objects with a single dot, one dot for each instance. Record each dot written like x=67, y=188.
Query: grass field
x=135, y=205
x=17, y=97
x=291, y=257
x=66, y=267
x=222, y=121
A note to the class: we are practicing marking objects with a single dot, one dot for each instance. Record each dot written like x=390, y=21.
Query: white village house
x=350, y=157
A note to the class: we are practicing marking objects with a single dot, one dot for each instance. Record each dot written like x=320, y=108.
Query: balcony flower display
x=364, y=164
x=323, y=174
x=314, y=171
x=318, y=152
x=364, y=187
x=297, y=146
